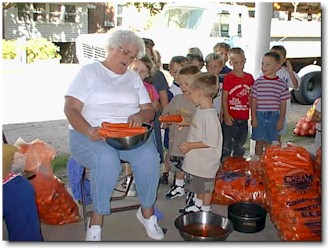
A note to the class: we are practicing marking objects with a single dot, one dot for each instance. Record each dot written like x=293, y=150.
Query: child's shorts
x=266, y=129
x=201, y=185
x=176, y=163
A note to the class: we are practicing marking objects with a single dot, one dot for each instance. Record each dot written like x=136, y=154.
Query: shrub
x=41, y=49
x=9, y=48
x=36, y=49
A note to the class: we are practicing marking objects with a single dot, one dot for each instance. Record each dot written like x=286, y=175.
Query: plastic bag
x=292, y=191
x=55, y=205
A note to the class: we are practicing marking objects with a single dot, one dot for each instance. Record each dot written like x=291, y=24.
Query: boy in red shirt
x=235, y=105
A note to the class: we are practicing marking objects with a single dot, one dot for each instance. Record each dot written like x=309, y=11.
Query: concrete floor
x=124, y=226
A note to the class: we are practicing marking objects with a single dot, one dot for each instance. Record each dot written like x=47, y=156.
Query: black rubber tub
x=247, y=217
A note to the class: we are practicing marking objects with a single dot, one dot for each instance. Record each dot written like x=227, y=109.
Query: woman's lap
x=105, y=167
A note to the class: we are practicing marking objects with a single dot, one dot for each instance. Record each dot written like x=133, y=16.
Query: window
x=221, y=26
x=23, y=10
x=63, y=13
x=38, y=12
x=119, y=15
x=225, y=26
x=70, y=13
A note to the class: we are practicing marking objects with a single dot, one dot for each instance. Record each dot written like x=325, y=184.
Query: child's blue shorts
x=266, y=129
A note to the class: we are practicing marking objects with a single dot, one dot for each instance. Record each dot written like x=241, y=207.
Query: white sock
x=179, y=182
x=198, y=202
x=206, y=208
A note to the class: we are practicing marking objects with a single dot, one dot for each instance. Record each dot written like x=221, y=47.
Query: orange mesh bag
x=55, y=205
x=237, y=185
x=235, y=162
x=292, y=192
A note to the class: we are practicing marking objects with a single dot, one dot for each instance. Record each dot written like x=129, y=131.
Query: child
x=161, y=85
x=269, y=96
x=223, y=49
x=180, y=104
x=196, y=59
x=214, y=65
x=145, y=68
x=176, y=63
x=203, y=147
x=195, y=50
x=236, y=88
x=287, y=74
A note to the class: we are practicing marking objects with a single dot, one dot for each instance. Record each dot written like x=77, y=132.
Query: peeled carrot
x=175, y=118
x=121, y=132
x=114, y=125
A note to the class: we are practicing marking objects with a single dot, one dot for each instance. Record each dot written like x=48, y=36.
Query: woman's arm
x=145, y=115
x=72, y=110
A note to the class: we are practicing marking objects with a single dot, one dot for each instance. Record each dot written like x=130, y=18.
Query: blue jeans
x=105, y=167
x=20, y=211
x=266, y=129
x=234, y=137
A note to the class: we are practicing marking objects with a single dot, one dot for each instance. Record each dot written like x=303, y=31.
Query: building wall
x=62, y=32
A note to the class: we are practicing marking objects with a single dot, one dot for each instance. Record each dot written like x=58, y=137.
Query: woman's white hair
x=120, y=37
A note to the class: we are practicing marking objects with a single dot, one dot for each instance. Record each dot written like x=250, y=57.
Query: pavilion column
x=263, y=16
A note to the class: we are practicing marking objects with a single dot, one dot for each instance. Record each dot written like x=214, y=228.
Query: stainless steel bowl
x=132, y=142
x=203, y=226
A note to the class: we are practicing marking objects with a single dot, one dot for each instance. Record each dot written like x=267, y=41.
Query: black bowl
x=132, y=142
x=203, y=226
x=247, y=217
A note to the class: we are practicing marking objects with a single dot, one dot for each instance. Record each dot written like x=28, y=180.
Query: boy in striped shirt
x=269, y=96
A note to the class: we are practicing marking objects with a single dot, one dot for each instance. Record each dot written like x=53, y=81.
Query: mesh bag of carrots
x=293, y=193
x=55, y=205
x=237, y=180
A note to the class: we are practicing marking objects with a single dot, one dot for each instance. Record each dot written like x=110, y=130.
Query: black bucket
x=247, y=217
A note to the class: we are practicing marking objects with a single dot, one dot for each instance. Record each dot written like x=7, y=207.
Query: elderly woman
x=107, y=91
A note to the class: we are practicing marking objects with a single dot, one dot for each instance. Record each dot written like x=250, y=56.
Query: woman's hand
x=135, y=120
x=93, y=134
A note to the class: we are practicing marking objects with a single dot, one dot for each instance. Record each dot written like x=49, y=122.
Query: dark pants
x=20, y=211
x=158, y=137
x=234, y=137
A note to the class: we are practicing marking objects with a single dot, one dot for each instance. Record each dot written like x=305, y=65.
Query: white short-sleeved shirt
x=205, y=128
x=107, y=96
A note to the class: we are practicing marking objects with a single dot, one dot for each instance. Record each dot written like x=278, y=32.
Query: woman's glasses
x=126, y=52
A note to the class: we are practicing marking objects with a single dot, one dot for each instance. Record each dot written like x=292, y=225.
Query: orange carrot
x=121, y=132
x=114, y=125
x=175, y=118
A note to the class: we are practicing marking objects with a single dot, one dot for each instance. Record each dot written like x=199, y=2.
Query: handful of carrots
x=175, y=118
x=118, y=130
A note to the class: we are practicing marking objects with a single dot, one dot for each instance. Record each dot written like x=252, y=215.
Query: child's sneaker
x=190, y=198
x=175, y=191
x=191, y=208
x=152, y=228
x=164, y=178
x=94, y=233
x=132, y=190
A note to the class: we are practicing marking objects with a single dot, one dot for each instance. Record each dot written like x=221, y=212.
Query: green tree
x=154, y=8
